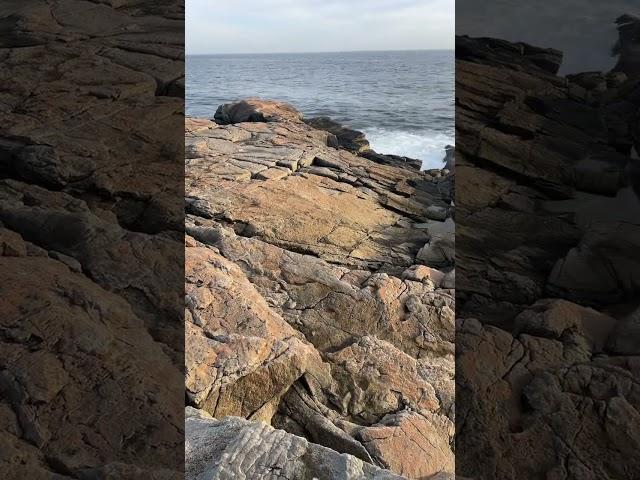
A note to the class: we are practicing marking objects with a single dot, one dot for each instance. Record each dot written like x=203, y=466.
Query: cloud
x=260, y=26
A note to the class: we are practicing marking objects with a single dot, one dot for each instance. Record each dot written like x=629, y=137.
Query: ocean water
x=403, y=101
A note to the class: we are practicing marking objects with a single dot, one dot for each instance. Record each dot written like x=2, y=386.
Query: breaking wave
x=425, y=146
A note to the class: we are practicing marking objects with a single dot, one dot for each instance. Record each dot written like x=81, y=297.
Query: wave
x=427, y=146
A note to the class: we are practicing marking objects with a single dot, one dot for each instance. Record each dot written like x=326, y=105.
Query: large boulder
x=254, y=110
x=347, y=138
x=82, y=353
x=241, y=357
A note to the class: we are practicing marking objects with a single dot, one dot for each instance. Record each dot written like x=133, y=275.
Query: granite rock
x=309, y=305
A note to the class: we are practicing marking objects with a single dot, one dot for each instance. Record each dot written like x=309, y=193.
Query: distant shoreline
x=318, y=53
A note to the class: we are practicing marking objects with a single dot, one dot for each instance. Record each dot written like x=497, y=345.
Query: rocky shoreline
x=320, y=302
x=548, y=230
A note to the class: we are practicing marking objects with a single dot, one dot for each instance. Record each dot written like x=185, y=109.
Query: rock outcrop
x=91, y=243
x=319, y=301
x=548, y=227
x=352, y=140
x=356, y=142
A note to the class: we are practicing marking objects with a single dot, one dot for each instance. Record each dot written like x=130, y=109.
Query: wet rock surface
x=91, y=249
x=310, y=307
x=547, y=346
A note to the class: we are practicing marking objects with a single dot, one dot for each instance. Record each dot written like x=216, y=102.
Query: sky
x=282, y=26
x=583, y=29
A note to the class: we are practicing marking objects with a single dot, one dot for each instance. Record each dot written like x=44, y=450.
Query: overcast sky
x=583, y=29
x=270, y=26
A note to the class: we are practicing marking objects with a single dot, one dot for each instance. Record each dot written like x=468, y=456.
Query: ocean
x=402, y=100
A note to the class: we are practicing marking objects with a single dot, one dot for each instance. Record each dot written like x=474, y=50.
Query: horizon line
x=326, y=51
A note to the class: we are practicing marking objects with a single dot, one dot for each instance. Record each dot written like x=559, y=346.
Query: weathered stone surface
x=309, y=306
x=233, y=448
x=74, y=352
x=518, y=214
x=396, y=160
x=516, y=56
x=544, y=390
x=332, y=305
x=546, y=252
x=241, y=357
x=398, y=442
x=374, y=380
x=91, y=249
x=329, y=208
x=91, y=241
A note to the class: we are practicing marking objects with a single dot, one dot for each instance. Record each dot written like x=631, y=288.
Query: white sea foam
x=425, y=146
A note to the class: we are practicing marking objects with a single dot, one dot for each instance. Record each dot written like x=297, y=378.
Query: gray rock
x=235, y=448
